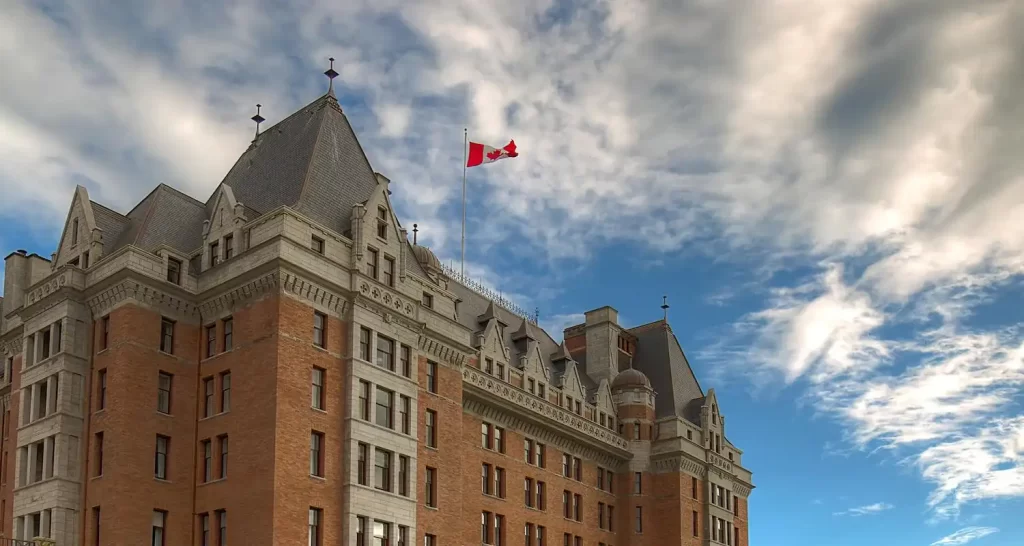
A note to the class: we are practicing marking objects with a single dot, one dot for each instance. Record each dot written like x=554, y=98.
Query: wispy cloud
x=965, y=535
x=866, y=510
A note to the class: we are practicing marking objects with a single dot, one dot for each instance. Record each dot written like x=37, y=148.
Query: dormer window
x=382, y=223
x=317, y=245
x=428, y=300
x=229, y=246
x=371, y=263
x=85, y=260
x=174, y=270
x=214, y=254
x=74, y=232
x=389, y=271
x=540, y=390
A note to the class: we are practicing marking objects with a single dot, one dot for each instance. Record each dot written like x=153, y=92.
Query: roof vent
x=22, y=251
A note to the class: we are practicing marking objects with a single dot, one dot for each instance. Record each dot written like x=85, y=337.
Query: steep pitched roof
x=111, y=222
x=310, y=161
x=164, y=217
x=661, y=358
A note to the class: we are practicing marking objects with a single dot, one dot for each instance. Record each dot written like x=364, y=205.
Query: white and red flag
x=482, y=153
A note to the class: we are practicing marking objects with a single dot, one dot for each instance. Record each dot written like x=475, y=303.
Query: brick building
x=280, y=365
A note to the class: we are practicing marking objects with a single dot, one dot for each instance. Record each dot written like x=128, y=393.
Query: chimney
x=602, y=331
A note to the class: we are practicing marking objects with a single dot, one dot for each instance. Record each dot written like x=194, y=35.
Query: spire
x=524, y=331
x=415, y=231
x=331, y=74
x=489, y=314
x=561, y=354
x=664, y=306
x=258, y=119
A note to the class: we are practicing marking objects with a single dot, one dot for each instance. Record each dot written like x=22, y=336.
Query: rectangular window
x=499, y=530
x=611, y=518
x=364, y=456
x=315, y=534
x=364, y=343
x=693, y=486
x=499, y=439
x=636, y=431
x=485, y=479
x=163, y=395
x=229, y=329
x=404, y=407
x=364, y=400
x=389, y=271
x=403, y=475
x=211, y=340
x=222, y=526
x=382, y=470
x=74, y=231
x=96, y=526
x=428, y=300
x=229, y=246
x=223, y=456
x=528, y=492
x=403, y=536
x=531, y=385
x=386, y=353
x=225, y=392
x=541, y=533
x=566, y=465
x=316, y=454
x=105, y=333
x=385, y=403
x=406, y=361
x=98, y=442
x=102, y=374
x=577, y=507
x=485, y=527
x=501, y=370
x=160, y=464
x=431, y=432
x=610, y=476
x=540, y=496
x=381, y=533
x=429, y=540
x=638, y=483
x=600, y=478
x=159, y=519
x=174, y=270
x=540, y=390
x=167, y=336
x=540, y=455
x=319, y=329
x=430, y=493
x=566, y=504
x=600, y=515
x=208, y=397
x=432, y=376
x=639, y=519
x=207, y=461
x=372, y=260
x=214, y=253
x=319, y=375
x=499, y=482
x=361, y=530
x=317, y=245
x=489, y=366
x=528, y=450
x=485, y=435
x=528, y=533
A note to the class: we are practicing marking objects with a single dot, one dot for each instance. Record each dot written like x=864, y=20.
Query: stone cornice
x=308, y=290
x=130, y=289
x=679, y=463
x=492, y=392
x=546, y=435
x=684, y=462
x=254, y=288
x=13, y=346
x=389, y=299
x=443, y=351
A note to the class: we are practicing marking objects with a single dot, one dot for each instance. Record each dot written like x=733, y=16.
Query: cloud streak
x=965, y=535
x=866, y=510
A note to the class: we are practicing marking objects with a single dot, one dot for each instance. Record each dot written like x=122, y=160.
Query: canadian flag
x=482, y=153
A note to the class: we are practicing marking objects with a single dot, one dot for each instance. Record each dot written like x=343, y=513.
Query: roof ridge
x=108, y=209
x=689, y=368
x=182, y=194
x=312, y=155
x=645, y=326
x=149, y=214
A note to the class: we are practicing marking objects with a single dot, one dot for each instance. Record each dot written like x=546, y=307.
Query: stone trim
x=386, y=298
x=542, y=408
x=679, y=463
x=741, y=489
x=102, y=302
x=226, y=301
x=12, y=347
x=442, y=351
x=5, y=402
x=311, y=291
x=546, y=435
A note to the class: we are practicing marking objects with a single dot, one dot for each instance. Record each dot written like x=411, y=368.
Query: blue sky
x=831, y=195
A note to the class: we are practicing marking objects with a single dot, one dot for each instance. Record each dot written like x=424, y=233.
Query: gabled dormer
x=713, y=423
x=574, y=395
x=382, y=246
x=536, y=376
x=81, y=243
x=222, y=232
x=492, y=346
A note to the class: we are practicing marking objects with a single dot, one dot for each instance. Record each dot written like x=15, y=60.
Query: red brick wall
x=446, y=521
x=10, y=451
x=741, y=521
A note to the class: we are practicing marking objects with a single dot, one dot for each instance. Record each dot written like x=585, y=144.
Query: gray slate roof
x=310, y=161
x=112, y=223
x=660, y=357
x=165, y=217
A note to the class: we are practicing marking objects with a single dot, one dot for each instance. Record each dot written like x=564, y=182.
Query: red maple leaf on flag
x=495, y=154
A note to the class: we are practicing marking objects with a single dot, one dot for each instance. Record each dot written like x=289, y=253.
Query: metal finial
x=536, y=315
x=664, y=306
x=331, y=74
x=258, y=119
x=415, y=231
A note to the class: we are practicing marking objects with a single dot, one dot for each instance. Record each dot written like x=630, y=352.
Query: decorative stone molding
x=741, y=489
x=312, y=292
x=5, y=402
x=680, y=463
x=542, y=407
x=387, y=298
x=127, y=289
x=49, y=286
x=11, y=347
x=545, y=435
x=442, y=351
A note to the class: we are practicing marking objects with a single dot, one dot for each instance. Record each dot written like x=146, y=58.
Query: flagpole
x=465, y=160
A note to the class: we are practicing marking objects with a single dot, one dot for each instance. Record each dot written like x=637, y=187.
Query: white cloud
x=866, y=510
x=965, y=535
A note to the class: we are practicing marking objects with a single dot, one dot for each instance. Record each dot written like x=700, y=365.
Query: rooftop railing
x=490, y=294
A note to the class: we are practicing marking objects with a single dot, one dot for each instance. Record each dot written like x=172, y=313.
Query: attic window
x=540, y=390
x=317, y=245
x=382, y=223
x=428, y=300
x=730, y=455
x=74, y=232
x=85, y=260
x=229, y=246
x=73, y=261
x=214, y=253
x=174, y=270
